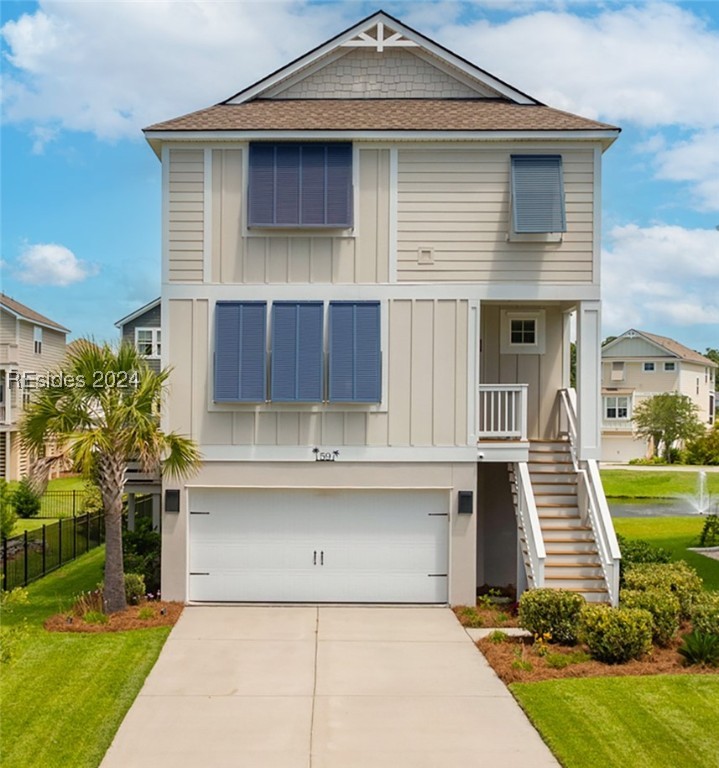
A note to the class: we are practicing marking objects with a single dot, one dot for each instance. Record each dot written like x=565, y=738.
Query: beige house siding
x=392, y=74
x=7, y=328
x=251, y=256
x=427, y=342
x=52, y=354
x=541, y=372
x=457, y=203
x=186, y=214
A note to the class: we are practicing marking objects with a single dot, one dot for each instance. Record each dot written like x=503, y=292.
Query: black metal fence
x=62, y=503
x=32, y=554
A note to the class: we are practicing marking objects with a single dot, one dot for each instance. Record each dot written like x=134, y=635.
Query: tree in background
x=104, y=408
x=666, y=419
x=712, y=354
x=704, y=449
x=8, y=518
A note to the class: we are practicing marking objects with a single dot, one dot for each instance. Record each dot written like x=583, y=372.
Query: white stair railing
x=528, y=522
x=503, y=411
x=592, y=502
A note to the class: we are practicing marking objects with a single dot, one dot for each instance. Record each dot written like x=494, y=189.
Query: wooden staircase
x=572, y=559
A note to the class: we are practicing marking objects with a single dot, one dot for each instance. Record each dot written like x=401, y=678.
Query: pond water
x=651, y=508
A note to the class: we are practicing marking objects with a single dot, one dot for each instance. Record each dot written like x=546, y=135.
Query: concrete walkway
x=327, y=687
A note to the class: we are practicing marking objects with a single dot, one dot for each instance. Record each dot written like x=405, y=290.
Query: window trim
x=647, y=369
x=37, y=340
x=671, y=369
x=617, y=398
x=155, y=343
x=507, y=347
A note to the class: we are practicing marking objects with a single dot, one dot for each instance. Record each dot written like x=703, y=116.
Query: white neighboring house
x=370, y=260
x=30, y=343
x=638, y=365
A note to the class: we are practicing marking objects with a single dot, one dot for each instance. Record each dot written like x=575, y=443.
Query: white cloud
x=112, y=68
x=660, y=277
x=695, y=161
x=652, y=64
x=51, y=264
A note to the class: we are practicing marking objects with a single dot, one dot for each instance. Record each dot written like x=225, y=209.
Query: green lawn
x=614, y=722
x=63, y=696
x=674, y=534
x=654, y=484
x=30, y=524
x=66, y=484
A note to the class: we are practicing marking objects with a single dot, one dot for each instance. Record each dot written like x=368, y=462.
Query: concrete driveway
x=323, y=687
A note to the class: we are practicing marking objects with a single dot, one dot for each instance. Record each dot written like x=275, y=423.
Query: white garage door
x=318, y=546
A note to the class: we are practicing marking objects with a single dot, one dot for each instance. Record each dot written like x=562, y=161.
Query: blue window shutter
x=240, y=351
x=287, y=184
x=538, y=194
x=300, y=185
x=314, y=185
x=339, y=185
x=355, y=364
x=297, y=351
x=261, y=192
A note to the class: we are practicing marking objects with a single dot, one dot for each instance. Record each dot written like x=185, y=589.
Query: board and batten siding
x=254, y=256
x=186, y=213
x=457, y=203
x=426, y=396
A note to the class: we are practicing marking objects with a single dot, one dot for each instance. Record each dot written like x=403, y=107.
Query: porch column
x=589, y=330
x=155, y=511
x=130, y=511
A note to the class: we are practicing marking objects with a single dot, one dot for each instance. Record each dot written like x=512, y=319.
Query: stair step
x=563, y=524
x=544, y=483
x=562, y=559
x=580, y=583
x=571, y=549
x=558, y=499
x=563, y=512
x=555, y=535
x=572, y=571
x=543, y=466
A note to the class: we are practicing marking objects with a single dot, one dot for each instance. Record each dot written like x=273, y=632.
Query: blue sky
x=81, y=188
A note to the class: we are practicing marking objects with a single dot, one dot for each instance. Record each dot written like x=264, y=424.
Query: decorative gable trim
x=360, y=32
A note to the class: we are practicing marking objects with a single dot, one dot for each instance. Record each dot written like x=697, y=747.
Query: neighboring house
x=638, y=365
x=370, y=259
x=141, y=328
x=30, y=346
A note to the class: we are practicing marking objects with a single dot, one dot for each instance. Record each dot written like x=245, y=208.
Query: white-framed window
x=649, y=367
x=669, y=367
x=617, y=408
x=148, y=342
x=522, y=332
x=37, y=340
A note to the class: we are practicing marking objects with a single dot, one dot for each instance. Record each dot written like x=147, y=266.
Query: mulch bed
x=121, y=621
x=506, y=656
x=496, y=616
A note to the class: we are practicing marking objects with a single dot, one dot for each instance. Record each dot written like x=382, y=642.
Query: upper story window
x=649, y=367
x=300, y=362
x=37, y=339
x=300, y=185
x=670, y=366
x=617, y=370
x=148, y=342
x=537, y=194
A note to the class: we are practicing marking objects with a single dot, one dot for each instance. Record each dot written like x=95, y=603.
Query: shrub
x=639, y=551
x=616, y=635
x=562, y=660
x=663, y=606
x=8, y=517
x=25, y=500
x=705, y=449
x=700, y=648
x=11, y=599
x=141, y=552
x=497, y=636
x=679, y=578
x=146, y=612
x=134, y=588
x=552, y=612
x=709, y=536
x=95, y=617
x=12, y=640
x=705, y=613
x=89, y=602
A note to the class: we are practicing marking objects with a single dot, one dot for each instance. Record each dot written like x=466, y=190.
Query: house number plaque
x=325, y=455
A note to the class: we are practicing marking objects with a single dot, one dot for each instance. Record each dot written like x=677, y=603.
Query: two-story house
x=141, y=328
x=370, y=261
x=30, y=346
x=638, y=365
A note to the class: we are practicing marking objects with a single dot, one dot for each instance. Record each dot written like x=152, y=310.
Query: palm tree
x=103, y=406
